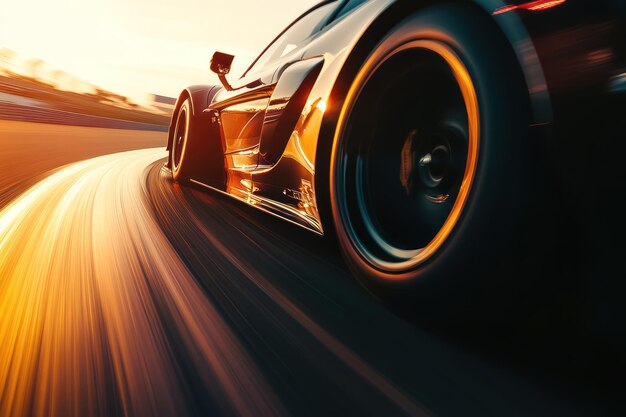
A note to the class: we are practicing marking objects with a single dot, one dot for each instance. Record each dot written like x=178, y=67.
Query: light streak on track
x=252, y=274
x=123, y=294
x=90, y=290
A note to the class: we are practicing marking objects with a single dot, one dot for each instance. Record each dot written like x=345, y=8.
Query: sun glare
x=136, y=47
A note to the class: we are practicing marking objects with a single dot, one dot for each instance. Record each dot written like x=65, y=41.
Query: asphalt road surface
x=28, y=151
x=122, y=293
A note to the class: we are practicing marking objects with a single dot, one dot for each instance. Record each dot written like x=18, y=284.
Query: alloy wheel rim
x=435, y=164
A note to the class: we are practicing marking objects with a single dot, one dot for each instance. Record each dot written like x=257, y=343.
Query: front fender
x=200, y=96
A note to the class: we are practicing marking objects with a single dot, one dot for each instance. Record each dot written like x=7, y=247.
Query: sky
x=134, y=47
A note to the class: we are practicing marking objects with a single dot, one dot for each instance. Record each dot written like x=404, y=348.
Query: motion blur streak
x=256, y=277
x=96, y=306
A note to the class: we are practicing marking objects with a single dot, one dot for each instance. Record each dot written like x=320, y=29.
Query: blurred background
x=121, y=63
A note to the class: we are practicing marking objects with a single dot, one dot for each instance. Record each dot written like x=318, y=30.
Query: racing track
x=124, y=294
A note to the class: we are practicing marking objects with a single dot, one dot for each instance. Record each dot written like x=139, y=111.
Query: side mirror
x=220, y=64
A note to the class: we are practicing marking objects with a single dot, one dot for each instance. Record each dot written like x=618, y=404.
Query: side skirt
x=276, y=209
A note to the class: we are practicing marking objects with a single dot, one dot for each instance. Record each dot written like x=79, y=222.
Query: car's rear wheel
x=429, y=175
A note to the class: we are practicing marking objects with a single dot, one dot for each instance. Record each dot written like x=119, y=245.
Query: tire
x=196, y=149
x=180, y=148
x=429, y=175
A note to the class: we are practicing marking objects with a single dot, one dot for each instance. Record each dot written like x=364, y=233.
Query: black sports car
x=448, y=145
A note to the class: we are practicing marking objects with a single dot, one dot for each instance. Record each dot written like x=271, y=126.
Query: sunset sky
x=133, y=47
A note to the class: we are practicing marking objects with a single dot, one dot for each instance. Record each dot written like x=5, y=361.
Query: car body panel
x=289, y=186
x=285, y=106
x=200, y=96
x=272, y=124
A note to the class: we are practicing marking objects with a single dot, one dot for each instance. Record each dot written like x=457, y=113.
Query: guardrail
x=12, y=111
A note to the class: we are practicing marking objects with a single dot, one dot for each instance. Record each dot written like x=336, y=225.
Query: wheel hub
x=429, y=170
x=434, y=165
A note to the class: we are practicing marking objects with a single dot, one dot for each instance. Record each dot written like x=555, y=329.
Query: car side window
x=293, y=37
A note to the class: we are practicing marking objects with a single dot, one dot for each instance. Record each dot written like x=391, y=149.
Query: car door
x=255, y=106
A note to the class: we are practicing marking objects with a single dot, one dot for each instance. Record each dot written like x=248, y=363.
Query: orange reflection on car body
x=531, y=5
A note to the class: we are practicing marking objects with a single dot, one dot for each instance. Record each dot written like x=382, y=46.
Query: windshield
x=294, y=37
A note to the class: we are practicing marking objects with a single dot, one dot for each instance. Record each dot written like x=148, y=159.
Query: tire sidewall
x=179, y=171
x=491, y=220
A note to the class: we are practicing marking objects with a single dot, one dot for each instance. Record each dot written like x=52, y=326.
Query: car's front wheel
x=180, y=143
